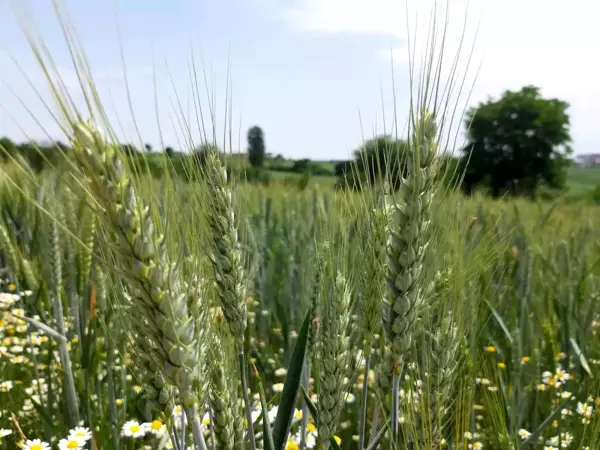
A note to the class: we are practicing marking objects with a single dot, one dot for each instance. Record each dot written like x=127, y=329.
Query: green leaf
x=313, y=412
x=267, y=431
x=581, y=356
x=500, y=321
x=285, y=410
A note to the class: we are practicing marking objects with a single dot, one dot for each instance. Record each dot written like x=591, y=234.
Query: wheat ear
x=408, y=224
x=159, y=308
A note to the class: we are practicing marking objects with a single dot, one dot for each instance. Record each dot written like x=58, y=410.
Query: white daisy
x=36, y=444
x=72, y=442
x=4, y=432
x=133, y=429
x=156, y=427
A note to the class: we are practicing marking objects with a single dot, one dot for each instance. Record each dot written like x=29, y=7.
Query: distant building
x=589, y=160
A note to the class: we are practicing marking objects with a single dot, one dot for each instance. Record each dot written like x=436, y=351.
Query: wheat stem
x=363, y=406
x=242, y=364
x=196, y=425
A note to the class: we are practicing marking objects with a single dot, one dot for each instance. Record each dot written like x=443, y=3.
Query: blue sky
x=303, y=70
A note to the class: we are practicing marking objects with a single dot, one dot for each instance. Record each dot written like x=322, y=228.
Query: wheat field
x=212, y=313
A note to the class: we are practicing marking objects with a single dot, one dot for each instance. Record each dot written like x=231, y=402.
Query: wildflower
x=71, y=442
x=555, y=423
x=524, y=434
x=119, y=402
x=565, y=394
x=493, y=388
x=561, y=375
x=156, y=427
x=560, y=356
x=36, y=444
x=501, y=365
x=477, y=445
x=337, y=439
x=525, y=359
x=350, y=398
x=541, y=387
x=133, y=429
x=490, y=349
x=6, y=386
x=281, y=372
x=11, y=287
x=468, y=435
x=137, y=389
x=311, y=428
x=291, y=445
x=584, y=409
x=278, y=387
x=297, y=414
x=81, y=433
x=4, y=432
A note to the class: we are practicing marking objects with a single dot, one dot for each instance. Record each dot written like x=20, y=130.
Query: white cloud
x=548, y=43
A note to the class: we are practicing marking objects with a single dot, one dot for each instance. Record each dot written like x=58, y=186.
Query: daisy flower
x=4, y=432
x=133, y=429
x=156, y=427
x=36, y=444
x=81, y=433
x=71, y=442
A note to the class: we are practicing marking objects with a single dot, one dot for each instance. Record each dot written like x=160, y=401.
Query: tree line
x=516, y=145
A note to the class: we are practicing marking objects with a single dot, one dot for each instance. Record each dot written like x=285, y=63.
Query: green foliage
x=379, y=159
x=517, y=143
x=256, y=146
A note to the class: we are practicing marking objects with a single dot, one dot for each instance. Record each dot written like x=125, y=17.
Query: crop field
x=206, y=312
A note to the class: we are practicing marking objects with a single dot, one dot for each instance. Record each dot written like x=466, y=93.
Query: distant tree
x=517, y=143
x=7, y=147
x=128, y=149
x=201, y=153
x=148, y=147
x=279, y=157
x=169, y=151
x=302, y=165
x=256, y=146
x=381, y=158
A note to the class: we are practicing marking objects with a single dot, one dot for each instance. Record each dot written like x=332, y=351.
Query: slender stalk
x=242, y=364
x=363, y=409
x=374, y=425
x=196, y=428
x=183, y=430
x=65, y=361
x=395, y=406
x=305, y=412
x=174, y=439
x=212, y=428
x=112, y=401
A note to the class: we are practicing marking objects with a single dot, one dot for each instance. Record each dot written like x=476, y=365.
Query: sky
x=318, y=76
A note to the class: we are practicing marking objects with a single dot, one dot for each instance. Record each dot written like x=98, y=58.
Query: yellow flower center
x=291, y=445
x=34, y=446
x=156, y=425
x=134, y=429
x=311, y=427
x=12, y=287
x=338, y=439
x=73, y=444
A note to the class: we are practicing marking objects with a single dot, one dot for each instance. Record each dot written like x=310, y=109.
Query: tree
x=517, y=143
x=169, y=151
x=256, y=146
x=148, y=147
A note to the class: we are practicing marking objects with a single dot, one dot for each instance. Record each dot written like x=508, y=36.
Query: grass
x=206, y=313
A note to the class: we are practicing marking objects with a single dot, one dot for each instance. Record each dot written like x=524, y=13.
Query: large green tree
x=256, y=146
x=380, y=158
x=517, y=143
